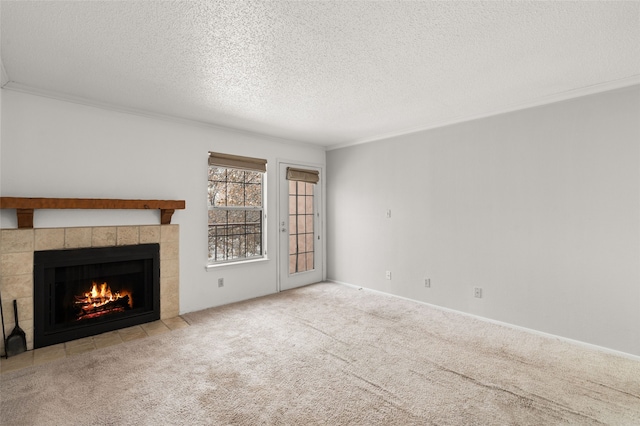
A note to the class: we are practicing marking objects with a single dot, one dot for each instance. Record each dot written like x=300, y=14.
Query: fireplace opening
x=83, y=292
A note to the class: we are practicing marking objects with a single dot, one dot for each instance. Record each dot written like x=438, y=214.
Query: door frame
x=279, y=214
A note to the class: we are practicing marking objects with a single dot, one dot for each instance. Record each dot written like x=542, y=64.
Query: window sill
x=239, y=263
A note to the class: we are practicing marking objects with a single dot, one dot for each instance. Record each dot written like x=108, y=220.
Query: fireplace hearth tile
x=107, y=339
x=127, y=235
x=49, y=239
x=16, y=286
x=169, y=250
x=169, y=268
x=16, y=241
x=169, y=298
x=61, y=350
x=132, y=333
x=154, y=328
x=48, y=354
x=149, y=234
x=73, y=348
x=169, y=233
x=78, y=342
x=25, y=311
x=81, y=349
x=16, y=263
x=16, y=362
x=175, y=323
x=77, y=237
x=103, y=236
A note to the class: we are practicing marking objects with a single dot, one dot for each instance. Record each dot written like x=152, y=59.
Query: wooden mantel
x=25, y=206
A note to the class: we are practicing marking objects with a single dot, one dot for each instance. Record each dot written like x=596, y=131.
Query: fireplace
x=87, y=291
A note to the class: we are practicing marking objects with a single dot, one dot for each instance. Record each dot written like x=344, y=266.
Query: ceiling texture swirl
x=330, y=73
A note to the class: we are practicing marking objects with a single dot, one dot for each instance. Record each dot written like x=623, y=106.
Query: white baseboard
x=504, y=324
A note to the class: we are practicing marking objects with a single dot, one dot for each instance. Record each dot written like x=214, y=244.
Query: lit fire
x=100, y=300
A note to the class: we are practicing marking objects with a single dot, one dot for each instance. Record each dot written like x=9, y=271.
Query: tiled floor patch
x=61, y=350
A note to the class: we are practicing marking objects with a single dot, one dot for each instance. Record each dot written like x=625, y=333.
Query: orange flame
x=101, y=294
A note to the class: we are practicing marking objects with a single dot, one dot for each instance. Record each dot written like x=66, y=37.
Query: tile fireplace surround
x=16, y=263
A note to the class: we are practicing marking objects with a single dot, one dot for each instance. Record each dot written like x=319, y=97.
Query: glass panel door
x=300, y=244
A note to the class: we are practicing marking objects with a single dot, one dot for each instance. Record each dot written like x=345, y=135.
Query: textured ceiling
x=328, y=73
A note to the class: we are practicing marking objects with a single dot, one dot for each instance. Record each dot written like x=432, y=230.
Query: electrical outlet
x=477, y=292
x=427, y=282
x=388, y=275
x=220, y=282
x=388, y=214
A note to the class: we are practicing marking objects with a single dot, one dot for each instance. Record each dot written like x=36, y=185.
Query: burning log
x=117, y=305
x=101, y=301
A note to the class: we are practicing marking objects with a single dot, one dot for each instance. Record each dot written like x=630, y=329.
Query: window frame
x=212, y=262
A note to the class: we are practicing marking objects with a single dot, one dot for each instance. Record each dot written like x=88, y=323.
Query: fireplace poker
x=4, y=335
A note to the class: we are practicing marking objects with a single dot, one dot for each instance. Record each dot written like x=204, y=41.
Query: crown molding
x=17, y=87
x=545, y=100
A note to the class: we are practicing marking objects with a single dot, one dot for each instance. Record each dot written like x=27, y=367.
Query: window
x=301, y=243
x=236, y=208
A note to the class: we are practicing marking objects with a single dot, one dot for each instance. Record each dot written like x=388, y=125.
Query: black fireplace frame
x=45, y=333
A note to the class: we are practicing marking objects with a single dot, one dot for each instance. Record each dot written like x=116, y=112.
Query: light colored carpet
x=329, y=354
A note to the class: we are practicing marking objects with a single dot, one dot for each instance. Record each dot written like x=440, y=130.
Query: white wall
x=540, y=208
x=53, y=148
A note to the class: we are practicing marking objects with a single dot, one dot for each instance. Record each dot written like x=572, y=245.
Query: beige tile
x=154, y=328
x=16, y=240
x=77, y=237
x=49, y=239
x=107, y=339
x=169, y=250
x=169, y=233
x=134, y=336
x=25, y=313
x=132, y=333
x=80, y=349
x=169, y=287
x=103, y=236
x=150, y=234
x=17, y=362
x=169, y=309
x=127, y=235
x=78, y=342
x=130, y=330
x=169, y=297
x=48, y=350
x=16, y=286
x=170, y=268
x=48, y=354
x=175, y=323
x=16, y=263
